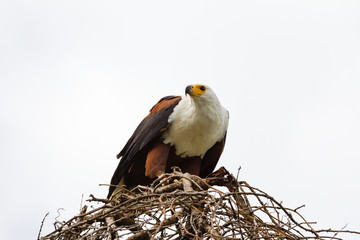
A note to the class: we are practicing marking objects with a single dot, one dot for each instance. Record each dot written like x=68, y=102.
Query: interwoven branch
x=184, y=206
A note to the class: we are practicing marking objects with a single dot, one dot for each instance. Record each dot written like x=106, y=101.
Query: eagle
x=185, y=131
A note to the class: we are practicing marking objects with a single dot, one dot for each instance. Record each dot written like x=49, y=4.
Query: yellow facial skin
x=196, y=90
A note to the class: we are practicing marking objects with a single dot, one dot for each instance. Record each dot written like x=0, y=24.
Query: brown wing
x=211, y=158
x=146, y=134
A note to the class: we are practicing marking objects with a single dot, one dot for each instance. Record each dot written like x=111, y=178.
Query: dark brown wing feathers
x=148, y=131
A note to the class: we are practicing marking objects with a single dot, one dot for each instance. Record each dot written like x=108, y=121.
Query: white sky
x=76, y=77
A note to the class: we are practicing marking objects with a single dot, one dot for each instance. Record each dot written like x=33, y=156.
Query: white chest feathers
x=196, y=127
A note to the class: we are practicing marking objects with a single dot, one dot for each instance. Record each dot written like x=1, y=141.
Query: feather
x=150, y=129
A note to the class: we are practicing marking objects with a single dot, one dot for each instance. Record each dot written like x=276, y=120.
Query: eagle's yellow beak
x=195, y=90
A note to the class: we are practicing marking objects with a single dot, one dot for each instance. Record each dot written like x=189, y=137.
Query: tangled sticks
x=184, y=206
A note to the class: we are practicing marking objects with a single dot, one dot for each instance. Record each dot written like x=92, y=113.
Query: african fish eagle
x=188, y=132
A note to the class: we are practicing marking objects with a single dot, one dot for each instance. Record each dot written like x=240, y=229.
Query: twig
x=42, y=224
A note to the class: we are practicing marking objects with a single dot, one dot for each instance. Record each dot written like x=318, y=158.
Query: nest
x=183, y=206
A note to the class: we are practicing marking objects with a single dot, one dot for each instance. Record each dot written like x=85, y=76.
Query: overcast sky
x=76, y=78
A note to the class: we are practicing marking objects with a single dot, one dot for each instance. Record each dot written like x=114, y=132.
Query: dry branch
x=183, y=206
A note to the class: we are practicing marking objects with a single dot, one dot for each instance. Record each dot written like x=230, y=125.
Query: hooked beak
x=188, y=90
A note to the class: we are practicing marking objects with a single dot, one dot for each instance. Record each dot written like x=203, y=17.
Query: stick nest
x=183, y=206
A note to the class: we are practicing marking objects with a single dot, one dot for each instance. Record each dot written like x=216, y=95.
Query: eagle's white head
x=201, y=94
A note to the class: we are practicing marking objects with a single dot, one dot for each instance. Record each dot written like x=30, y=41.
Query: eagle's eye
x=202, y=88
